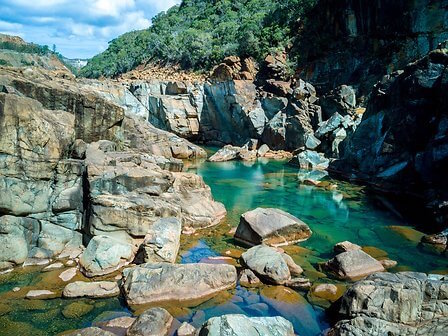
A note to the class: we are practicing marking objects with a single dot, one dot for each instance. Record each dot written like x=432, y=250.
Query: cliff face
x=401, y=144
x=356, y=42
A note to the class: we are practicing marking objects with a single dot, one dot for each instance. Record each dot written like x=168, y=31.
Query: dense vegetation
x=198, y=34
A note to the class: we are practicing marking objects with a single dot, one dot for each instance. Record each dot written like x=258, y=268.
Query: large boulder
x=353, y=265
x=162, y=242
x=309, y=159
x=154, y=322
x=270, y=264
x=240, y=325
x=394, y=304
x=105, y=255
x=270, y=226
x=152, y=283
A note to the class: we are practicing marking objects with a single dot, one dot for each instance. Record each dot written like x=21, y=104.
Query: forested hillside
x=198, y=34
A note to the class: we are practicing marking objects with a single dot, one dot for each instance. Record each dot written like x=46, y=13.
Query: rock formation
x=273, y=227
x=72, y=160
x=391, y=150
x=401, y=304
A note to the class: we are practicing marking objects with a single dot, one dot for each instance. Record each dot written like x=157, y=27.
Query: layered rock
x=390, y=149
x=401, y=304
x=58, y=187
x=350, y=42
x=152, y=283
x=272, y=227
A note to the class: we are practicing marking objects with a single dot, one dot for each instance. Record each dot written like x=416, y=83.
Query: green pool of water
x=345, y=213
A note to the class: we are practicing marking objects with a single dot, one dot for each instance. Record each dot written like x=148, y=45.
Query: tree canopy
x=198, y=34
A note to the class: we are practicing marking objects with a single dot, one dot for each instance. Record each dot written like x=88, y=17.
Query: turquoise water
x=334, y=215
x=346, y=213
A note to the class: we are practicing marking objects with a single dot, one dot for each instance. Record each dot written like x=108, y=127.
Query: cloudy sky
x=78, y=28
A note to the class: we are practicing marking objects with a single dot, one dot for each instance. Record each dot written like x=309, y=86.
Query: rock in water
x=270, y=264
x=394, y=304
x=154, y=322
x=92, y=331
x=309, y=159
x=161, y=243
x=91, y=289
x=353, y=265
x=104, y=255
x=151, y=283
x=240, y=325
x=345, y=246
x=272, y=227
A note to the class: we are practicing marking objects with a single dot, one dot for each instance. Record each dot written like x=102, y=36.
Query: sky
x=78, y=28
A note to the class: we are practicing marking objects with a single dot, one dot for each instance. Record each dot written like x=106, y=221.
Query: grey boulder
x=353, y=265
x=105, y=255
x=162, y=242
x=151, y=283
x=154, y=322
x=270, y=226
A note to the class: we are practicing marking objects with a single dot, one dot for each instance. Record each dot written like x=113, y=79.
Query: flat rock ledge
x=161, y=282
x=241, y=325
x=270, y=226
x=98, y=289
x=405, y=303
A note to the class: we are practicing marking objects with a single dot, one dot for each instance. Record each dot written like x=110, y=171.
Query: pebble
x=67, y=275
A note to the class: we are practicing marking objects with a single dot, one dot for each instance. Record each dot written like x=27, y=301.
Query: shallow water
x=345, y=213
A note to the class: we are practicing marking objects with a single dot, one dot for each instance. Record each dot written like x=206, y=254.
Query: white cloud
x=79, y=28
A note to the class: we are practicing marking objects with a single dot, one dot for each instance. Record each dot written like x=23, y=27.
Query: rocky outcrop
x=357, y=42
x=399, y=304
x=240, y=325
x=390, y=150
x=152, y=283
x=59, y=187
x=272, y=227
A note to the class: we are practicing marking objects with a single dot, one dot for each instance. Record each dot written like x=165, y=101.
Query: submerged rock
x=151, y=283
x=154, y=322
x=240, y=325
x=91, y=289
x=92, y=331
x=104, y=255
x=40, y=294
x=272, y=227
x=400, y=304
x=353, y=265
x=162, y=242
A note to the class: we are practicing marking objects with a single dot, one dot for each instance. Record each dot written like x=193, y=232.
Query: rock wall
x=74, y=165
x=401, y=145
x=357, y=42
